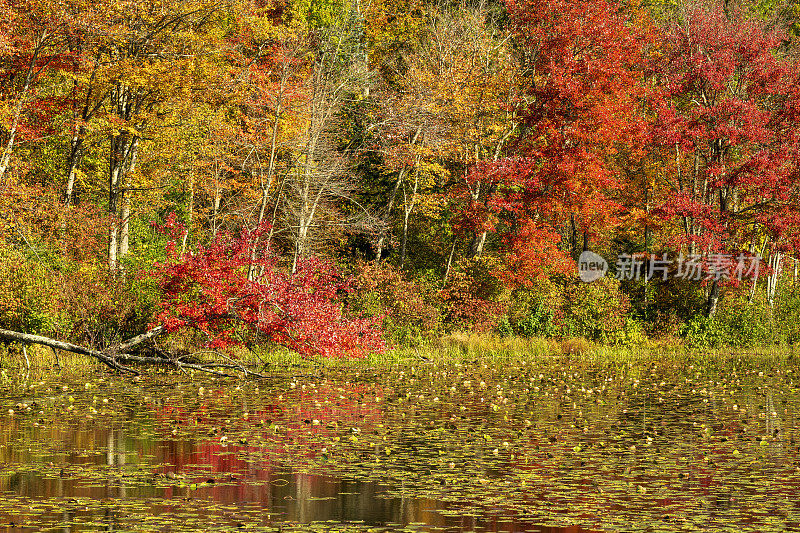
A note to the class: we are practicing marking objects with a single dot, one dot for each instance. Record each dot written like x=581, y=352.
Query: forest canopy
x=332, y=176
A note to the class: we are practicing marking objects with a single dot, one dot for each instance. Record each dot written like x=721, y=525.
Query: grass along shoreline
x=457, y=348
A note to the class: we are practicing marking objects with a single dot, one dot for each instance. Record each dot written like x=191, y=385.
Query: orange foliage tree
x=578, y=113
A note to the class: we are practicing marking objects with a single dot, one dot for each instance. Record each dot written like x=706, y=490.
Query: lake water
x=547, y=445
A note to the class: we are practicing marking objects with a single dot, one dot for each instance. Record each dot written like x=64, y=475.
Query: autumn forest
x=338, y=177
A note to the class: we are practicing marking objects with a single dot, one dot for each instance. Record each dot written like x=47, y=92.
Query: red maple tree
x=209, y=290
x=578, y=111
x=728, y=115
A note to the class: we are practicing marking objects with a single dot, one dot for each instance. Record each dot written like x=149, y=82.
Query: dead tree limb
x=27, y=338
x=172, y=362
x=118, y=354
x=146, y=336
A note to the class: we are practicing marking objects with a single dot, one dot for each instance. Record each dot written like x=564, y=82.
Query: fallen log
x=146, y=336
x=26, y=338
x=121, y=353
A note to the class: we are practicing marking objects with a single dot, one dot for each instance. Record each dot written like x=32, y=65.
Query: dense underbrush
x=81, y=302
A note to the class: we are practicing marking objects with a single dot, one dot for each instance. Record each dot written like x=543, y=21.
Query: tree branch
x=26, y=338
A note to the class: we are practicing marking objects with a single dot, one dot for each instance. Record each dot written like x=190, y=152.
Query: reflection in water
x=773, y=426
x=167, y=476
x=431, y=451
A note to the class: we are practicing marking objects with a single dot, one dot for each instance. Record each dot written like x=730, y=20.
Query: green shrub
x=504, y=327
x=597, y=311
x=82, y=303
x=600, y=312
x=99, y=309
x=738, y=323
x=702, y=332
x=471, y=299
x=745, y=323
x=538, y=323
x=665, y=304
x=409, y=310
x=532, y=310
x=787, y=314
x=27, y=293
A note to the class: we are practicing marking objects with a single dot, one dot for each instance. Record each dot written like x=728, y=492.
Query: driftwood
x=133, y=341
x=26, y=338
x=123, y=353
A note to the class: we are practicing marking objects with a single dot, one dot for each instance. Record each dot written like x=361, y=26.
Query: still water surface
x=539, y=446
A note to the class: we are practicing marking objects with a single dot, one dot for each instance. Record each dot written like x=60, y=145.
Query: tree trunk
x=189, y=214
x=390, y=204
x=267, y=185
x=215, y=204
x=776, y=263
x=383, y=231
x=124, y=231
x=113, y=231
x=76, y=147
x=408, y=207
x=404, y=241
x=77, y=141
x=5, y=157
x=392, y=196
x=116, y=155
x=275, y=205
x=320, y=167
x=573, y=237
x=79, y=133
x=713, y=299
x=477, y=244
x=304, y=216
x=122, y=161
x=755, y=278
x=695, y=191
x=449, y=262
